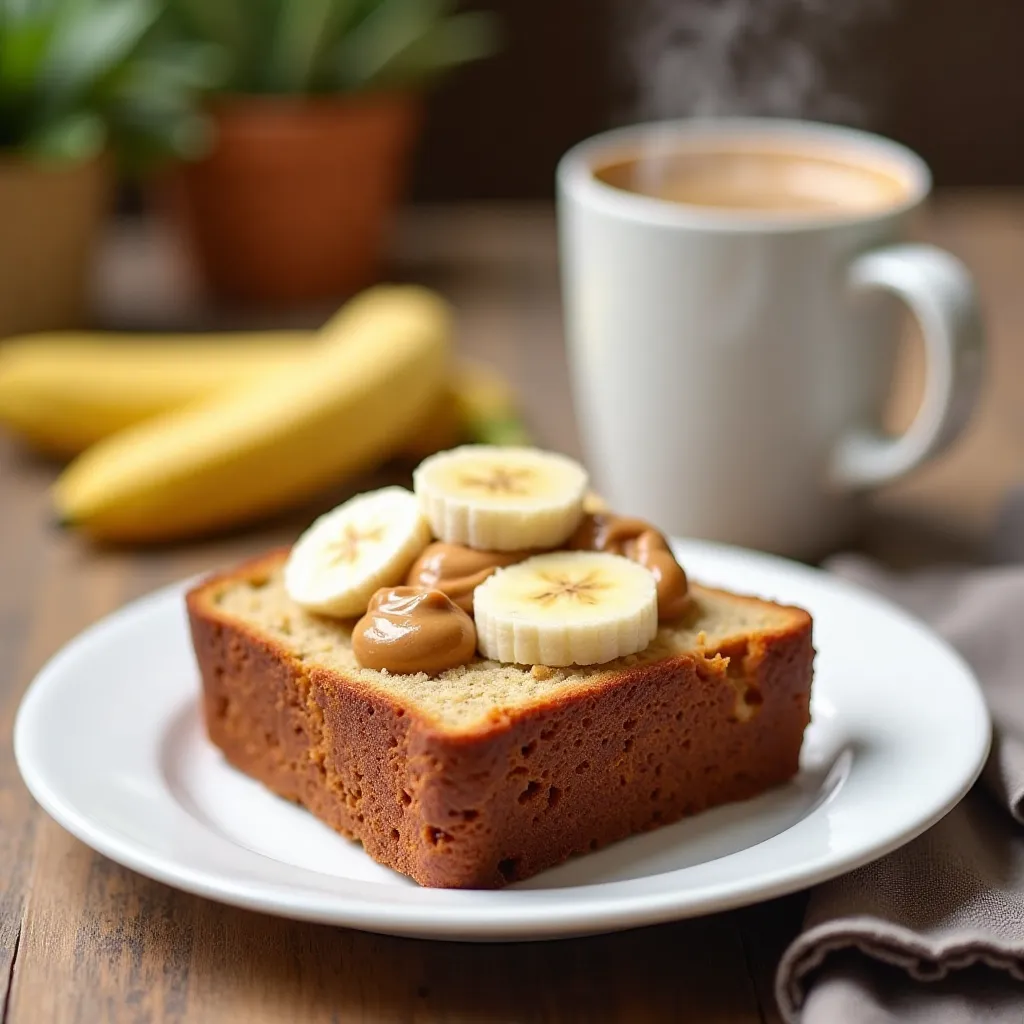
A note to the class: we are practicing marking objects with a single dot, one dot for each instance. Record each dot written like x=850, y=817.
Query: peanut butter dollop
x=457, y=571
x=638, y=540
x=413, y=629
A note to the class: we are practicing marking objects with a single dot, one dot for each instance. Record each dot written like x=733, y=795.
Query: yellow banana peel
x=63, y=392
x=264, y=442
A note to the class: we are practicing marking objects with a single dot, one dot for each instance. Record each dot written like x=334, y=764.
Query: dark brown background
x=944, y=76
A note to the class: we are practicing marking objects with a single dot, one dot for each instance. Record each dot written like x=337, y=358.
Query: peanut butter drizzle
x=638, y=540
x=413, y=629
x=457, y=571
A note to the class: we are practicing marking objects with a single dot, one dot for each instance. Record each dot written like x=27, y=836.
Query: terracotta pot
x=50, y=216
x=295, y=201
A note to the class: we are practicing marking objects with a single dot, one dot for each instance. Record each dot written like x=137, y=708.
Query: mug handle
x=940, y=293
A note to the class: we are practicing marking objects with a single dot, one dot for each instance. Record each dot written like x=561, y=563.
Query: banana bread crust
x=531, y=787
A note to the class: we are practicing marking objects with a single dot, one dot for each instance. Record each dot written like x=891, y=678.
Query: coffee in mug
x=732, y=294
x=746, y=175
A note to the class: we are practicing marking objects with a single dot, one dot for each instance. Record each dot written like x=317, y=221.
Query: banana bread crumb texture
x=490, y=773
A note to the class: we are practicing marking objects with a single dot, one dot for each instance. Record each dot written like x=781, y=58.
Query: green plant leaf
x=80, y=75
x=172, y=70
x=457, y=40
x=317, y=46
x=78, y=136
x=217, y=21
x=14, y=11
x=303, y=31
x=387, y=31
x=92, y=41
x=21, y=52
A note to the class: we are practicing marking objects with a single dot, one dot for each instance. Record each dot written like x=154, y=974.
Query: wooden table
x=84, y=940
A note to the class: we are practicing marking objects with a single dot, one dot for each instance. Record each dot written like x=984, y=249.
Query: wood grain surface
x=83, y=940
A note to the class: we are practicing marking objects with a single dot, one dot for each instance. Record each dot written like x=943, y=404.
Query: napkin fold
x=934, y=932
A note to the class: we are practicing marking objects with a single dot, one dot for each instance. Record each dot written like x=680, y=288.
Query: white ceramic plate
x=109, y=741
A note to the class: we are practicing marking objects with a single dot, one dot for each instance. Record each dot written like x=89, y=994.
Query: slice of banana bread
x=490, y=773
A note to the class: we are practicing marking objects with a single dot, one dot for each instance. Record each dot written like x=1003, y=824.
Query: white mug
x=730, y=367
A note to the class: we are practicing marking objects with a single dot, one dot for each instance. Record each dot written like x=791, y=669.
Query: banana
x=346, y=555
x=501, y=499
x=566, y=608
x=264, y=444
x=63, y=392
x=439, y=429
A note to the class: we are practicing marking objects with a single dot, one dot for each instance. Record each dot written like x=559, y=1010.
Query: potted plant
x=84, y=85
x=313, y=127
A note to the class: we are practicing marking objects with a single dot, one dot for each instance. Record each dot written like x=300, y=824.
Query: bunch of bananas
x=171, y=437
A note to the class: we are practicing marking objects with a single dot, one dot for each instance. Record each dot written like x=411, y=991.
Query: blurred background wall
x=944, y=76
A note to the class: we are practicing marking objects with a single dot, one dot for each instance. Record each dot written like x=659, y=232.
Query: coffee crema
x=747, y=176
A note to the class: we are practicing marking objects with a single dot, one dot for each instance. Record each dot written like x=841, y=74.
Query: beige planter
x=49, y=220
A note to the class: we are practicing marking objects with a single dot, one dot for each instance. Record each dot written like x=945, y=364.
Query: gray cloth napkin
x=935, y=931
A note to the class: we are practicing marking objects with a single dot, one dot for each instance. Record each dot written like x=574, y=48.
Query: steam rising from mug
x=692, y=58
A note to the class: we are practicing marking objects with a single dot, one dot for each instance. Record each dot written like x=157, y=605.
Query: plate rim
x=538, y=919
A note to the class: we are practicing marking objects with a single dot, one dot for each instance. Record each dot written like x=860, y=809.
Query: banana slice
x=346, y=555
x=566, y=608
x=501, y=499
